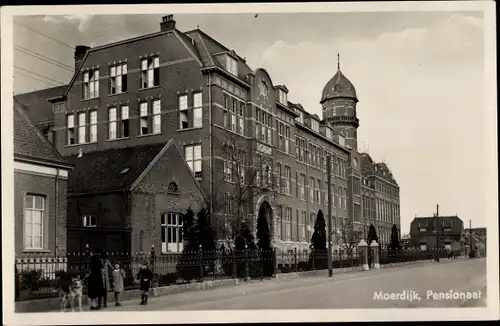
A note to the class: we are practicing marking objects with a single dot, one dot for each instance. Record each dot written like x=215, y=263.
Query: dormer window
x=232, y=65
x=315, y=125
x=282, y=97
x=300, y=118
x=328, y=133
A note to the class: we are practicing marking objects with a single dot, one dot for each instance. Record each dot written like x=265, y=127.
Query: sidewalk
x=53, y=304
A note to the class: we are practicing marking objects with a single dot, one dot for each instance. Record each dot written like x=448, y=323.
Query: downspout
x=211, y=205
x=56, y=210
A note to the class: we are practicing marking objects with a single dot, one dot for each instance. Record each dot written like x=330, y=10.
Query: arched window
x=172, y=187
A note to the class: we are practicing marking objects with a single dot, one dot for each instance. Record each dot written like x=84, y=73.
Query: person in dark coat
x=95, y=288
x=145, y=276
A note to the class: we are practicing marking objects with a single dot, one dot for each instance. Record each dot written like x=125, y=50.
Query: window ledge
x=148, y=135
x=116, y=139
x=33, y=251
x=115, y=94
x=152, y=87
x=89, y=99
x=190, y=128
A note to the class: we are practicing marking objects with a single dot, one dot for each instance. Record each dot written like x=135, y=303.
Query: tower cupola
x=338, y=101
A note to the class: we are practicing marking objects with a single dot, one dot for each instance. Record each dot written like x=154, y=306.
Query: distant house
x=40, y=183
x=127, y=199
x=476, y=238
x=437, y=232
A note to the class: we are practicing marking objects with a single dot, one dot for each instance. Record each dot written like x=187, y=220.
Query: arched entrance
x=265, y=221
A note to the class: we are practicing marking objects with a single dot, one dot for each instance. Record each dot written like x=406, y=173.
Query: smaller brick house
x=437, y=232
x=40, y=183
x=128, y=199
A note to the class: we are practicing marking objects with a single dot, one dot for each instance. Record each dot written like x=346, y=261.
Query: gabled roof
x=117, y=169
x=30, y=144
x=110, y=170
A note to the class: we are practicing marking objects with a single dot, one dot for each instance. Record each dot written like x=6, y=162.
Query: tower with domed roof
x=339, y=107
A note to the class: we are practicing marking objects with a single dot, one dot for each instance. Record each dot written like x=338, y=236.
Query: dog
x=70, y=292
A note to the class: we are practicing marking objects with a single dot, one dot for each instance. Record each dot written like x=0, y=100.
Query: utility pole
x=437, y=226
x=329, y=177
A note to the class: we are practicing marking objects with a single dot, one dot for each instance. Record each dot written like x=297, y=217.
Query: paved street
x=351, y=290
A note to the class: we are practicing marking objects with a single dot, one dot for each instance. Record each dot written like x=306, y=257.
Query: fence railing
x=40, y=276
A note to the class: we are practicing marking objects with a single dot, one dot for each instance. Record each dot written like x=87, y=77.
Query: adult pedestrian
x=106, y=266
x=95, y=280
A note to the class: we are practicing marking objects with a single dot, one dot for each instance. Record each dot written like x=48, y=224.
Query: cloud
x=82, y=20
x=419, y=89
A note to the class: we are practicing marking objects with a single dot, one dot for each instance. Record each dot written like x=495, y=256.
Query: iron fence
x=39, y=276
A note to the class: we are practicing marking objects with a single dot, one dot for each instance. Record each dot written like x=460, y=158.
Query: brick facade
x=152, y=197
x=54, y=218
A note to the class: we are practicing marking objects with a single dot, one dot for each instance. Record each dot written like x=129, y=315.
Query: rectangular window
x=156, y=116
x=91, y=84
x=34, y=213
x=302, y=186
x=93, y=126
x=125, y=122
x=118, y=78
x=278, y=177
x=288, y=180
x=228, y=203
x=150, y=72
x=192, y=155
x=317, y=191
x=112, y=123
x=183, y=112
x=311, y=189
x=287, y=139
x=171, y=232
x=82, y=127
x=197, y=110
x=143, y=119
x=228, y=163
x=89, y=221
x=302, y=226
x=70, y=123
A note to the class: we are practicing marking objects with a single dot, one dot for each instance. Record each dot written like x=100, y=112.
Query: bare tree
x=245, y=177
x=349, y=236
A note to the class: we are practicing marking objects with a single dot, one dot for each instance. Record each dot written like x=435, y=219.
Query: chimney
x=80, y=52
x=167, y=23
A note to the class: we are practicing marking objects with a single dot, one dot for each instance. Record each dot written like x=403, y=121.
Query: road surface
x=359, y=290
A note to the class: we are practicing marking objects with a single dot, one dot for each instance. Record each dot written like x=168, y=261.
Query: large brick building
x=250, y=149
x=40, y=183
x=380, y=198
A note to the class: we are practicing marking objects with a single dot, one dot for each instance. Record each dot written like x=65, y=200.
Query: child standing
x=118, y=277
x=144, y=276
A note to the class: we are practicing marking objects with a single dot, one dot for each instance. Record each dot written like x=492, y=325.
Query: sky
x=419, y=77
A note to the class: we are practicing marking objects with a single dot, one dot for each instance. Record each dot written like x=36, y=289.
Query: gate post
x=246, y=263
x=295, y=258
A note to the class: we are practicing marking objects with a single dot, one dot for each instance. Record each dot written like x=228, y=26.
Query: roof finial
x=338, y=61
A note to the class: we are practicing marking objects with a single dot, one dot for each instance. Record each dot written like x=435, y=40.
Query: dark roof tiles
x=29, y=142
x=110, y=170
